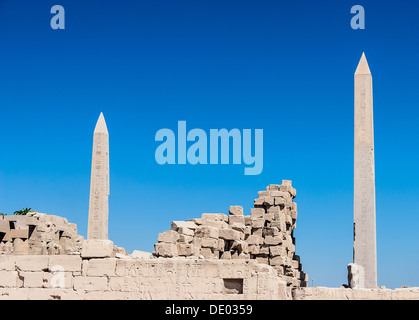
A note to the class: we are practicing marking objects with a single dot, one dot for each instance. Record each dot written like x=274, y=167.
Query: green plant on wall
x=23, y=212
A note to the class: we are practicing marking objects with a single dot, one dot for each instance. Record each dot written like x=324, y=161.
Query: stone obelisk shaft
x=365, y=252
x=99, y=183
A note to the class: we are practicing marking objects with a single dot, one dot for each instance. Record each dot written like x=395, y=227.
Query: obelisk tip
x=363, y=67
x=101, y=124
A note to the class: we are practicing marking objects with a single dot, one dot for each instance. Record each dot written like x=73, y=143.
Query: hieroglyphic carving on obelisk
x=99, y=183
x=365, y=251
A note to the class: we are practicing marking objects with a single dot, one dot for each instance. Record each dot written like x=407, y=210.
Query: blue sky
x=282, y=66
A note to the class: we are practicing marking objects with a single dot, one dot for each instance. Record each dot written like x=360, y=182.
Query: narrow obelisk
x=99, y=183
x=365, y=249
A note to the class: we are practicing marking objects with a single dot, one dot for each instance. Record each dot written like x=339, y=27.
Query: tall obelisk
x=365, y=251
x=99, y=183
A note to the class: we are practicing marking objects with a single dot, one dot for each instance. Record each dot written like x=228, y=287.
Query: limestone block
x=221, y=245
x=236, y=210
x=268, y=201
x=101, y=267
x=240, y=245
x=226, y=255
x=210, y=243
x=32, y=279
x=21, y=233
x=236, y=219
x=67, y=262
x=248, y=230
x=262, y=194
x=95, y=248
x=247, y=220
x=185, y=249
x=183, y=224
x=294, y=214
x=356, y=276
x=279, y=201
x=32, y=263
x=273, y=187
x=20, y=246
x=168, y=236
x=8, y=279
x=141, y=254
x=262, y=259
x=272, y=240
x=280, y=261
x=207, y=232
x=7, y=262
x=90, y=283
x=259, y=201
x=257, y=231
x=185, y=231
x=215, y=224
x=229, y=234
x=253, y=249
x=287, y=183
x=289, y=189
x=270, y=231
x=214, y=217
x=197, y=221
x=206, y=253
x=240, y=227
x=275, y=251
x=4, y=226
x=264, y=250
x=258, y=222
x=254, y=240
x=167, y=250
x=183, y=238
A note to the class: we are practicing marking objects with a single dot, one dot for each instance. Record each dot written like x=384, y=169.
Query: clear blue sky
x=282, y=66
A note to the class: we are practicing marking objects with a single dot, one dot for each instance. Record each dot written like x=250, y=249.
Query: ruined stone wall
x=72, y=277
x=38, y=233
x=266, y=235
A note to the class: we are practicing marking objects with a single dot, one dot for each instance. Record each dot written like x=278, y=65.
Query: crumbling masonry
x=266, y=235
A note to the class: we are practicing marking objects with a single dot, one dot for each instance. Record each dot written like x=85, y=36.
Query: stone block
x=4, y=226
x=257, y=231
x=254, y=240
x=280, y=261
x=236, y=211
x=287, y=183
x=207, y=253
x=253, y=249
x=32, y=263
x=279, y=201
x=8, y=279
x=22, y=233
x=273, y=187
x=226, y=255
x=270, y=231
x=7, y=262
x=247, y=220
x=95, y=248
x=141, y=254
x=185, y=231
x=183, y=238
x=258, y=223
x=262, y=259
x=214, y=217
x=236, y=219
x=168, y=236
x=210, y=243
x=185, y=250
x=101, y=267
x=167, y=250
x=90, y=283
x=183, y=224
x=240, y=245
x=229, y=234
x=67, y=262
x=268, y=201
x=207, y=232
x=240, y=227
x=275, y=251
x=264, y=250
x=32, y=279
x=262, y=194
x=259, y=201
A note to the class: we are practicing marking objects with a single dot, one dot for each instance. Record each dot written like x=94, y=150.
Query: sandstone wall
x=266, y=235
x=71, y=277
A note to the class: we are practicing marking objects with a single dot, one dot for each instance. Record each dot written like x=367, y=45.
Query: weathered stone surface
x=95, y=248
x=67, y=262
x=101, y=267
x=229, y=234
x=99, y=183
x=236, y=210
x=31, y=263
x=168, y=236
x=365, y=251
